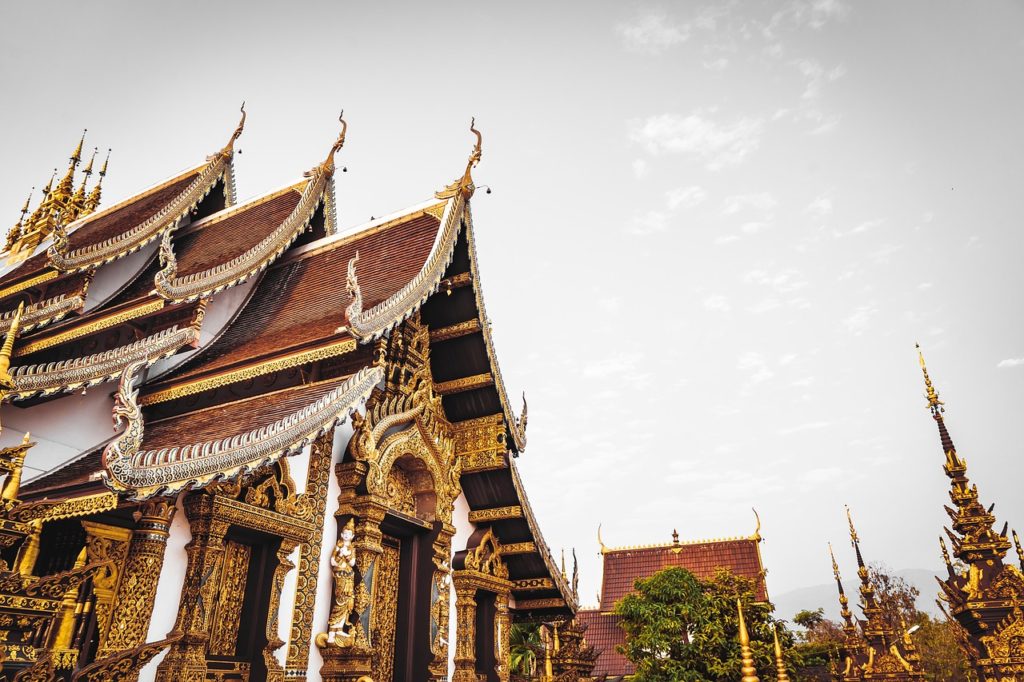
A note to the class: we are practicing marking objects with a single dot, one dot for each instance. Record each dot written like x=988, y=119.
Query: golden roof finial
x=238, y=130
x=675, y=537
x=746, y=656
x=24, y=208
x=780, y=665
x=6, y=380
x=328, y=163
x=77, y=204
x=844, y=603
x=94, y=196
x=76, y=155
x=65, y=188
x=934, y=404
x=1020, y=552
x=600, y=542
x=756, y=537
x=464, y=185
x=565, y=575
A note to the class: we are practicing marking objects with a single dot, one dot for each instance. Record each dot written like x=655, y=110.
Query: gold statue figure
x=343, y=562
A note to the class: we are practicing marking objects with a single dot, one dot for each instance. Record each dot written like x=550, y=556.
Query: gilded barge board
x=100, y=323
x=28, y=283
x=464, y=384
x=518, y=548
x=293, y=360
x=455, y=331
x=525, y=604
x=496, y=514
x=533, y=584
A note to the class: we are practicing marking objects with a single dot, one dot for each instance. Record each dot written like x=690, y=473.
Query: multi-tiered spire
x=985, y=595
x=746, y=655
x=60, y=205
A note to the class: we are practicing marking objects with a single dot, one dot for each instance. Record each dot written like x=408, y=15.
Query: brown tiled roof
x=231, y=419
x=74, y=472
x=623, y=566
x=603, y=633
x=302, y=300
x=231, y=233
x=111, y=222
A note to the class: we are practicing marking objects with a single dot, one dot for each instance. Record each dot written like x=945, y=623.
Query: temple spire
x=6, y=380
x=64, y=190
x=746, y=656
x=867, y=591
x=93, y=199
x=76, y=206
x=844, y=602
x=780, y=665
x=975, y=539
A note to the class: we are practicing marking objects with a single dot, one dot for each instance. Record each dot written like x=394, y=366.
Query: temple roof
x=622, y=567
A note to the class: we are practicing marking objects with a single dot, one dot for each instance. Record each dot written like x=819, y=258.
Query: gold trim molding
x=495, y=514
x=98, y=324
x=464, y=384
x=29, y=283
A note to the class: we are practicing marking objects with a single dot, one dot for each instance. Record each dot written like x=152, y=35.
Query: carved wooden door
x=227, y=615
x=385, y=609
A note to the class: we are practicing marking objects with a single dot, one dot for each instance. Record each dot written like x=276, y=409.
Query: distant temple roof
x=623, y=566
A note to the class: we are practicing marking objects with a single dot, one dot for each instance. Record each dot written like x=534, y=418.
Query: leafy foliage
x=679, y=628
x=524, y=647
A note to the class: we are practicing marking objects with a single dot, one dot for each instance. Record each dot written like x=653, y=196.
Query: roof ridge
x=683, y=543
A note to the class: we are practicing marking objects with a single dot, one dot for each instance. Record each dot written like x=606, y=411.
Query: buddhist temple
x=623, y=566
x=872, y=648
x=982, y=593
x=312, y=468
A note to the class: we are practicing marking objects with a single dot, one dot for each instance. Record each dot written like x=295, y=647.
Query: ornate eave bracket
x=235, y=271
x=370, y=325
x=71, y=375
x=44, y=312
x=218, y=167
x=128, y=469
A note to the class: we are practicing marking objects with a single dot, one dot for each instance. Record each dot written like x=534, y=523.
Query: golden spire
x=65, y=188
x=14, y=234
x=564, y=574
x=945, y=556
x=6, y=380
x=94, y=196
x=867, y=591
x=844, y=602
x=746, y=656
x=464, y=185
x=77, y=204
x=1020, y=552
x=780, y=665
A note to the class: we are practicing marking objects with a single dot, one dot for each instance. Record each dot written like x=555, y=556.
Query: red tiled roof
x=301, y=301
x=623, y=566
x=603, y=633
x=219, y=239
x=234, y=418
x=112, y=222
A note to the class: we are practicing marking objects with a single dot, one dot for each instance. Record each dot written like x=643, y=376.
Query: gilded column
x=186, y=660
x=317, y=478
x=440, y=600
x=136, y=595
x=465, y=632
x=344, y=661
x=501, y=636
x=275, y=671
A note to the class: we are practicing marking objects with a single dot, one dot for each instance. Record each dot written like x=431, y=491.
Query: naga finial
x=464, y=185
x=338, y=144
x=355, y=306
x=600, y=542
x=238, y=131
x=756, y=537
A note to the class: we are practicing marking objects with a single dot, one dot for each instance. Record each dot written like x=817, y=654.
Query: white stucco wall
x=463, y=529
x=324, y=585
x=169, y=587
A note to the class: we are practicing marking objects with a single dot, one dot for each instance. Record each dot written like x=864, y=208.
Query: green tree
x=680, y=629
x=524, y=646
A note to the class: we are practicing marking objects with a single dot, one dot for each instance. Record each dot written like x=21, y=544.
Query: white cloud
x=718, y=145
x=808, y=426
x=760, y=201
x=718, y=64
x=652, y=33
x=1011, y=362
x=812, y=13
x=685, y=197
x=726, y=239
x=860, y=319
x=718, y=303
x=754, y=364
x=640, y=169
x=867, y=225
x=765, y=306
x=820, y=207
x=648, y=223
x=784, y=281
x=753, y=227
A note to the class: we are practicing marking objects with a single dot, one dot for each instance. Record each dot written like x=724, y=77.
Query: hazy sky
x=715, y=233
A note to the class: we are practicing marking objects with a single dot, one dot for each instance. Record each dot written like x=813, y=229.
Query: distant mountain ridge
x=825, y=596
